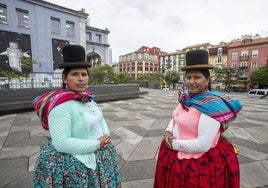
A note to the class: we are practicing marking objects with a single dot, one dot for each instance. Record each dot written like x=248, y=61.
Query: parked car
x=165, y=88
x=257, y=93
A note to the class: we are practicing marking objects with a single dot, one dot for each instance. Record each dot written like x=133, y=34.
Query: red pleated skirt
x=217, y=168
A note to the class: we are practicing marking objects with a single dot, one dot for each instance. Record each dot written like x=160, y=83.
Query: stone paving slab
x=137, y=127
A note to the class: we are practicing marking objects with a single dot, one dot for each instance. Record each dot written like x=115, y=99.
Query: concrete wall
x=21, y=100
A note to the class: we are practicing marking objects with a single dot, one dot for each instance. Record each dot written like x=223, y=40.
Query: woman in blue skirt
x=79, y=153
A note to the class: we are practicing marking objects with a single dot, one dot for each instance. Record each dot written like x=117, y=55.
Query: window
x=234, y=55
x=260, y=92
x=234, y=65
x=252, y=92
x=133, y=56
x=23, y=18
x=88, y=36
x=3, y=14
x=146, y=56
x=244, y=64
x=55, y=25
x=254, y=65
x=244, y=53
x=255, y=53
x=69, y=28
x=98, y=38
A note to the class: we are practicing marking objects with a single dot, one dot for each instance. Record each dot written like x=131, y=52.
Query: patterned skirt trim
x=55, y=169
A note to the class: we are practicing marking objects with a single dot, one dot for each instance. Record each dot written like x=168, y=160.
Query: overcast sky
x=172, y=24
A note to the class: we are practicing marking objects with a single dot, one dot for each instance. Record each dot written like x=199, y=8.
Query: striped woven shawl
x=43, y=104
x=215, y=104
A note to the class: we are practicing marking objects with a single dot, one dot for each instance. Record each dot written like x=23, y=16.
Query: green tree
x=172, y=77
x=121, y=78
x=225, y=75
x=260, y=77
x=103, y=74
x=156, y=76
x=142, y=77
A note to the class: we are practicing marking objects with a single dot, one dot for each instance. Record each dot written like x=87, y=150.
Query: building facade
x=143, y=61
x=247, y=54
x=39, y=29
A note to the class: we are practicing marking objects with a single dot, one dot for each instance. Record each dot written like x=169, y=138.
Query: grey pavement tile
x=257, y=122
x=121, y=162
x=16, y=152
x=126, y=147
x=137, y=130
x=21, y=121
x=39, y=132
x=265, y=164
x=260, y=133
x=253, y=175
x=24, y=181
x=4, y=131
x=32, y=160
x=249, y=144
x=24, y=128
x=2, y=141
x=155, y=133
x=34, y=141
x=242, y=159
x=252, y=154
x=7, y=117
x=161, y=123
x=152, y=115
x=124, y=133
x=12, y=169
x=114, y=136
x=6, y=123
x=246, y=124
x=147, y=123
x=111, y=117
x=16, y=138
x=243, y=134
x=146, y=183
x=138, y=170
x=147, y=149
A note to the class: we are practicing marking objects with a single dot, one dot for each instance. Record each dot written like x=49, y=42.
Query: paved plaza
x=136, y=127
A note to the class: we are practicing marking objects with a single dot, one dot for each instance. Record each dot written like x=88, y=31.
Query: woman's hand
x=105, y=140
x=168, y=139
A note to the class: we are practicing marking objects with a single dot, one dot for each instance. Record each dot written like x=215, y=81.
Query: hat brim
x=74, y=65
x=197, y=67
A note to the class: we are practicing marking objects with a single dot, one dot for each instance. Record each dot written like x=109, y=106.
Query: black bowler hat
x=74, y=57
x=197, y=60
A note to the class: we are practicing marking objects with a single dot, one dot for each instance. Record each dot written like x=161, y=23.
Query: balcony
x=244, y=58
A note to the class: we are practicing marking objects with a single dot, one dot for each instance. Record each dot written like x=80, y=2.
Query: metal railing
x=34, y=80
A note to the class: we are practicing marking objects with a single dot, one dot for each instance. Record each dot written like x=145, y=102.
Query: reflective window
x=69, y=28
x=55, y=25
x=23, y=18
x=3, y=14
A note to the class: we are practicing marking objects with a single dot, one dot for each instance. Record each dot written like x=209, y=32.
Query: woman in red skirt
x=193, y=153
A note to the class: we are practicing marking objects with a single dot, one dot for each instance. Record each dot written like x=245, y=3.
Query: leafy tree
x=156, y=76
x=142, y=77
x=226, y=75
x=121, y=78
x=172, y=77
x=260, y=77
x=101, y=74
